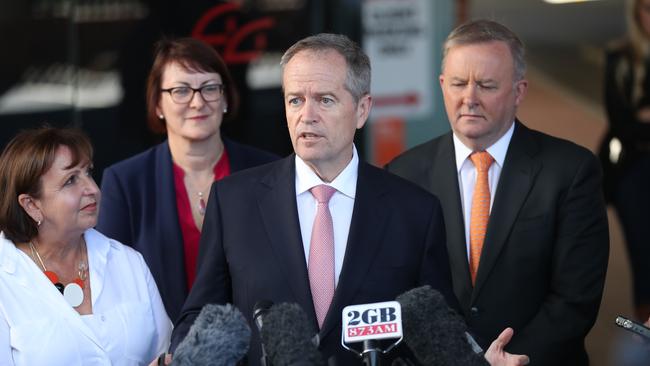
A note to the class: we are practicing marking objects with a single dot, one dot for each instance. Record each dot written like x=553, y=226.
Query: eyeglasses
x=184, y=94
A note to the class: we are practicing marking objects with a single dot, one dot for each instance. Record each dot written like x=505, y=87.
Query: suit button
x=473, y=312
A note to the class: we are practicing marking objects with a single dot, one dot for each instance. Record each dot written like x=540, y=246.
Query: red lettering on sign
x=233, y=36
x=407, y=99
x=372, y=329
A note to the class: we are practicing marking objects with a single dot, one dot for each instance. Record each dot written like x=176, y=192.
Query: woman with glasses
x=155, y=201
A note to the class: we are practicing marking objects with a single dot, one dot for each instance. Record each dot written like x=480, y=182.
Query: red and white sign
x=398, y=38
x=379, y=320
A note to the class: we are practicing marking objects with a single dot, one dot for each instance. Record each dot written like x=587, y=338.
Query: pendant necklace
x=72, y=292
x=201, y=203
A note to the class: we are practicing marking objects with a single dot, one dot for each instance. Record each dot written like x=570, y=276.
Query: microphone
x=260, y=310
x=288, y=337
x=634, y=327
x=371, y=323
x=219, y=337
x=435, y=333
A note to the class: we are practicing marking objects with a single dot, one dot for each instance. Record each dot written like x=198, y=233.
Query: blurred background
x=84, y=63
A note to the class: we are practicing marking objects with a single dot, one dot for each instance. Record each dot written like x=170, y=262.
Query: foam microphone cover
x=220, y=336
x=433, y=331
x=287, y=337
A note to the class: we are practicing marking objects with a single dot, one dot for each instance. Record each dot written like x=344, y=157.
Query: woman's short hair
x=196, y=56
x=25, y=159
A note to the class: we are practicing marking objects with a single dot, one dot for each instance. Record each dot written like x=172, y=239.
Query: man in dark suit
x=539, y=265
x=386, y=235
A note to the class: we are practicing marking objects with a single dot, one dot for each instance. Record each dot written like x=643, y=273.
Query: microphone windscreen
x=220, y=336
x=433, y=331
x=287, y=337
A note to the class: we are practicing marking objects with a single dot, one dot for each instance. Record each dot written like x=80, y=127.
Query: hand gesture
x=496, y=356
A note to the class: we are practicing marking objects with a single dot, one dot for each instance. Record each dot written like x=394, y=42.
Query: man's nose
x=309, y=111
x=469, y=95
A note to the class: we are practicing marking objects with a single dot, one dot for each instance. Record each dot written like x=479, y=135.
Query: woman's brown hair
x=25, y=159
x=194, y=55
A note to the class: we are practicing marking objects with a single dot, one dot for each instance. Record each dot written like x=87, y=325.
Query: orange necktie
x=480, y=210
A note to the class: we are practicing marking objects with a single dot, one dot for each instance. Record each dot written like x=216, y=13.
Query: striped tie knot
x=482, y=160
x=322, y=193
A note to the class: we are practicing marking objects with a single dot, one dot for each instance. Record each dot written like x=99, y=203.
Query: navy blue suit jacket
x=251, y=249
x=138, y=208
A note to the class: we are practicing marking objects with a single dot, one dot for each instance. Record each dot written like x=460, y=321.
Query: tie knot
x=322, y=193
x=482, y=160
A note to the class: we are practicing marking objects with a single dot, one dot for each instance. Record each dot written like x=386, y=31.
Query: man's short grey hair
x=358, y=73
x=483, y=31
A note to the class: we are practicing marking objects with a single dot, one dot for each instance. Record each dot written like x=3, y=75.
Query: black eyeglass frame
x=194, y=90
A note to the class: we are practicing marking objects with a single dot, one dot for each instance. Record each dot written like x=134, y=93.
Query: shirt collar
x=8, y=254
x=498, y=150
x=345, y=182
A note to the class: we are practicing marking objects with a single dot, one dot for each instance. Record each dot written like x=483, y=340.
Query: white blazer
x=128, y=325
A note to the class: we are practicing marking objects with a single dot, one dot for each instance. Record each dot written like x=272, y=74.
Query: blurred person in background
x=69, y=295
x=626, y=149
x=155, y=201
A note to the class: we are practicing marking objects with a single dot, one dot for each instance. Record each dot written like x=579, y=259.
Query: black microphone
x=435, y=333
x=288, y=337
x=260, y=310
x=219, y=337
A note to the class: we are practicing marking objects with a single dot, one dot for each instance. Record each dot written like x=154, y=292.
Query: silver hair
x=483, y=31
x=357, y=81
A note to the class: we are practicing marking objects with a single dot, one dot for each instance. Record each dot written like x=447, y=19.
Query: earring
x=225, y=110
x=38, y=223
x=161, y=117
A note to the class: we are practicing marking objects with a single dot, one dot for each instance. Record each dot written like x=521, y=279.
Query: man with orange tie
x=526, y=224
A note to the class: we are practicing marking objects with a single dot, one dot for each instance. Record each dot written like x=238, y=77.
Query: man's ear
x=363, y=110
x=521, y=87
x=31, y=206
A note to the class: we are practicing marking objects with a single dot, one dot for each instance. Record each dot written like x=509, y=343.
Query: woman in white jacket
x=68, y=294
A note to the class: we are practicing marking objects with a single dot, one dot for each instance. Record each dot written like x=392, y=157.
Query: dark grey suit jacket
x=544, y=259
x=251, y=249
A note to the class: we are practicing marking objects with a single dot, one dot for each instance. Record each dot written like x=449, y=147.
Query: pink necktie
x=480, y=210
x=321, y=253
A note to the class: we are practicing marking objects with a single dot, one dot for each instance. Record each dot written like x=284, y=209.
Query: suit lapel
x=517, y=177
x=235, y=155
x=276, y=198
x=369, y=215
x=443, y=178
x=166, y=220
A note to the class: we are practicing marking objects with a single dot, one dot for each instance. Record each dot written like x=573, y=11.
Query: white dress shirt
x=128, y=326
x=341, y=205
x=467, y=174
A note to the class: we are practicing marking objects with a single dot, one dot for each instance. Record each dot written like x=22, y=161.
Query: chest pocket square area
x=530, y=223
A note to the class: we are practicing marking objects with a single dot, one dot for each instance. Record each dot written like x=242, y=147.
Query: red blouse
x=191, y=233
